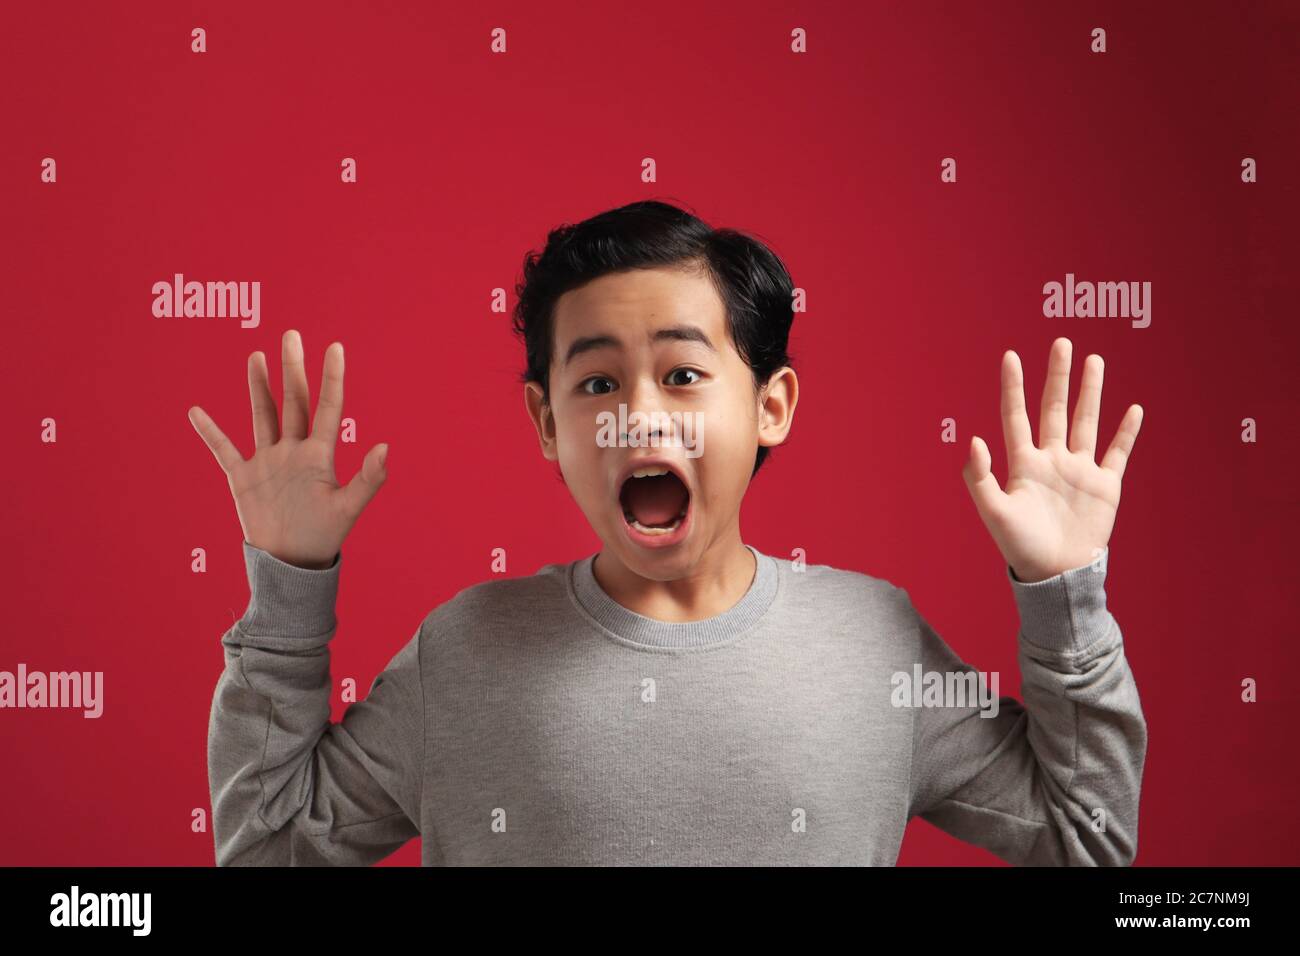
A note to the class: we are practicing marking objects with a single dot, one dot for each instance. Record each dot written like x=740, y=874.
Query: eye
x=689, y=371
x=582, y=387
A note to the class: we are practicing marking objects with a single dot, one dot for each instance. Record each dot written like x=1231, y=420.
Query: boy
x=679, y=697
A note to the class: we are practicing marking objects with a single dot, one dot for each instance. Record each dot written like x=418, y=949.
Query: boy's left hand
x=1059, y=505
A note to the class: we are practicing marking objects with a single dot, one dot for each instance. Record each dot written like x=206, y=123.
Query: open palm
x=1059, y=506
x=286, y=495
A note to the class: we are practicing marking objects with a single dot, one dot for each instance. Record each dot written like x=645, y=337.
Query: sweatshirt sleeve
x=1054, y=781
x=288, y=787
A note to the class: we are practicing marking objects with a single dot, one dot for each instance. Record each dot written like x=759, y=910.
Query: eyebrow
x=675, y=333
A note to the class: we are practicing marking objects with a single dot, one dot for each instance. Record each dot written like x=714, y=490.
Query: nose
x=647, y=407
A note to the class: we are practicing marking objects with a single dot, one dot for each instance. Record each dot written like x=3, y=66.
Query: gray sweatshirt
x=534, y=720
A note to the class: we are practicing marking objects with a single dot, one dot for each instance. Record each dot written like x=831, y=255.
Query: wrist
x=1036, y=574
x=1030, y=575
x=286, y=600
x=311, y=565
x=1066, y=611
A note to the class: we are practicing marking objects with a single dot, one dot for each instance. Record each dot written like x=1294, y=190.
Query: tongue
x=655, y=501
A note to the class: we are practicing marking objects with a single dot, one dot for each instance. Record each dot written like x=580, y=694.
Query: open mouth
x=655, y=501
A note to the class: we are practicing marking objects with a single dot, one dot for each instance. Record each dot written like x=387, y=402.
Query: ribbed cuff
x=286, y=600
x=1065, y=612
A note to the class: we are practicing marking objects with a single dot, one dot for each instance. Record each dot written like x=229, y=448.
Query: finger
x=980, y=480
x=367, y=481
x=266, y=428
x=296, y=398
x=1083, y=431
x=222, y=448
x=1016, y=432
x=1122, y=445
x=329, y=407
x=1056, y=395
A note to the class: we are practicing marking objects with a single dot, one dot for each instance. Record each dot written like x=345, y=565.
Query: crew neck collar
x=639, y=629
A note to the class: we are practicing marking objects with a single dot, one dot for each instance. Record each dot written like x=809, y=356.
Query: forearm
x=1053, y=780
x=270, y=707
x=288, y=786
x=1085, y=721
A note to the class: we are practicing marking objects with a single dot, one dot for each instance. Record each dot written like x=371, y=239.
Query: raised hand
x=287, y=498
x=1059, y=506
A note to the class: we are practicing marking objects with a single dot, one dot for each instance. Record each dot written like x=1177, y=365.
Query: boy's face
x=656, y=342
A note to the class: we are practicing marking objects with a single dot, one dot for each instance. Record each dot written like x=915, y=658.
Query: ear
x=776, y=402
x=543, y=421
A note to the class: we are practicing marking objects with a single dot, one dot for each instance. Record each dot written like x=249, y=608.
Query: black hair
x=752, y=281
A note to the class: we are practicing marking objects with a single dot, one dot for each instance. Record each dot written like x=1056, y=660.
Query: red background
x=225, y=166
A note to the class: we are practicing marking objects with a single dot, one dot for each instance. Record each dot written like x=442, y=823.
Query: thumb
x=366, y=482
x=980, y=480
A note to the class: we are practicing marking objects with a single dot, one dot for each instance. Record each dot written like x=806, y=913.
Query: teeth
x=651, y=472
x=655, y=531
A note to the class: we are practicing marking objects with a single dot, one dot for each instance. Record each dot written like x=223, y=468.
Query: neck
x=713, y=585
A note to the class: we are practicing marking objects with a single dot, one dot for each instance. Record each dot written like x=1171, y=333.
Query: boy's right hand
x=288, y=501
